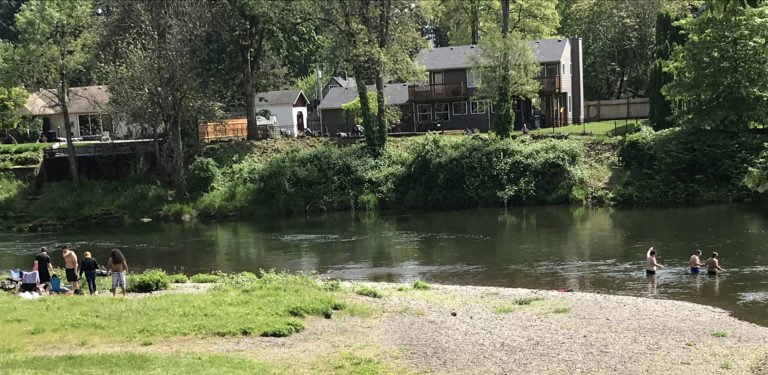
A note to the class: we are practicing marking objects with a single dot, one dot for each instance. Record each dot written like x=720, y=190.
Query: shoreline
x=453, y=329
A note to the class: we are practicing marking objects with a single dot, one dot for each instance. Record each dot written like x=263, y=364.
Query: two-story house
x=449, y=97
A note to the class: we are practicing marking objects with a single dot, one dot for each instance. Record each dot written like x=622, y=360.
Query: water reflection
x=532, y=247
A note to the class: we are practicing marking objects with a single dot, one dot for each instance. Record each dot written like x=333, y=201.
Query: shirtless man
x=70, y=264
x=713, y=265
x=650, y=262
x=696, y=262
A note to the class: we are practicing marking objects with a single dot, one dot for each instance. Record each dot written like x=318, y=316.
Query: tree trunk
x=474, y=19
x=250, y=95
x=504, y=17
x=178, y=160
x=71, y=154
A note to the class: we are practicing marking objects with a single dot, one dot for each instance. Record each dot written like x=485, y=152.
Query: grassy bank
x=240, y=305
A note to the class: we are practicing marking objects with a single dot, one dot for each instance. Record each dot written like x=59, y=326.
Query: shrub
x=178, y=278
x=148, y=281
x=421, y=285
x=201, y=175
x=204, y=278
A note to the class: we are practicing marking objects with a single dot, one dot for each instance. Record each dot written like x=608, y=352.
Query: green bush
x=204, y=278
x=201, y=175
x=148, y=281
x=685, y=166
x=178, y=278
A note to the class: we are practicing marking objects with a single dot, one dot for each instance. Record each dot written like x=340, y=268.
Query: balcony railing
x=437, y=92
x=549, y=84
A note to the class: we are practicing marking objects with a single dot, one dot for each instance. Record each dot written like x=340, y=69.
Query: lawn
x=597, y=128
x=274, y=305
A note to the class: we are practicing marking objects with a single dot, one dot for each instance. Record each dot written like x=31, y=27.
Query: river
x=549, y=247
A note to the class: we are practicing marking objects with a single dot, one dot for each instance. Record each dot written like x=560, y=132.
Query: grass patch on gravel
x=132, y=363
x=420, y=285
x=364, y=359
x=240, y=306
x=368, y=291
x=205, y=278
x=719, y=334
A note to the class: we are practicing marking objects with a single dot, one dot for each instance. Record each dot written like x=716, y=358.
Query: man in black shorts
x=44, y=267
x=70, y=264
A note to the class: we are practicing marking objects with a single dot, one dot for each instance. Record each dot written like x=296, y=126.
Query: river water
x=551, y=247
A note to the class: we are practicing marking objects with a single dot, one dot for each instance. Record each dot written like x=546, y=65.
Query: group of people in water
x=712, y=264
x=116, y=264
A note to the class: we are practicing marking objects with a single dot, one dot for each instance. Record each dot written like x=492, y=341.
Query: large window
x=441, y=112
x=425, y=112
x=459, y=108
x=473, y=80
x=477, y=107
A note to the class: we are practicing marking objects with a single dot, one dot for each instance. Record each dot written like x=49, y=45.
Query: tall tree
x=55, y=40
x=668, y=37
x=721, y=73
x=507, y=66
x=8, y=10
x=11, y=100
x=377, y=40
x=618, y=39
x=467, y=21
x=155, y=74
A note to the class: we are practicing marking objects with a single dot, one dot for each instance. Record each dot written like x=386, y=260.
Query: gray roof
x=394, y=94
x=87, y=99
x=458, y=57
x=285, y=97
x=348, y=82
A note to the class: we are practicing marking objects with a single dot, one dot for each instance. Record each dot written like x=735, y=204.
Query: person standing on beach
x=118, y=266
x=70, y=265
x=696, y=262
x=713, y=265
x=44, y=267
x=650, y=262
x=89, y=267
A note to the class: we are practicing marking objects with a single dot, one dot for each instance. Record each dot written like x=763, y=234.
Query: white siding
x=565, y=77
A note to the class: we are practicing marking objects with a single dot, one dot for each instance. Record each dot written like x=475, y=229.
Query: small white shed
x=290, y=107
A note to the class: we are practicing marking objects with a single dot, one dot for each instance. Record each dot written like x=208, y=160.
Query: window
x=570, y=104
x=437, y=78
x=459, y=108
x=563, y=71
x=570, y=67
x=477, y=107
x=85, y=125
x=551, y=70
x=473, y=80
x=424, y=112
x=441, y=112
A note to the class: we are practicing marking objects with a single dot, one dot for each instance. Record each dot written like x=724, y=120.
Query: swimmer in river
x=650, y=262
x=713, y=264
x=696, y=262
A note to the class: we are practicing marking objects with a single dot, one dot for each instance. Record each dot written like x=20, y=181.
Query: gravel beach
x=484, y=330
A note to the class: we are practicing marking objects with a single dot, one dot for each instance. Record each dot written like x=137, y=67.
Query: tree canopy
x=721, y=73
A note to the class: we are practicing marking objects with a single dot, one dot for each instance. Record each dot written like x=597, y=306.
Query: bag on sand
x=79, y=292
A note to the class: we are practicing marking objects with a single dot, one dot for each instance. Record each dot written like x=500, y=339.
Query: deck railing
x=549, y=84
x=437, y=92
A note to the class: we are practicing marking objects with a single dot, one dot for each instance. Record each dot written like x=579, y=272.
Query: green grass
x=23, y=147
x=132, y=363
x=368, y=292
x=689, y=343
x=561, y=310
x=420, y=285
x=685, y=363
x=264, y=306
x=179, y=278
x=527, y=301
x=205, y=278
x=597, y=128
x=719, y=334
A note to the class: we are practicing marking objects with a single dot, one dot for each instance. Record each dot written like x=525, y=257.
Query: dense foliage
x=684, y=166
x=437, y=172
x=721, y=73
x=668, y=36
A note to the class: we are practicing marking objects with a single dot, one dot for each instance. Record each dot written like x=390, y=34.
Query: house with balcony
x=448, y=100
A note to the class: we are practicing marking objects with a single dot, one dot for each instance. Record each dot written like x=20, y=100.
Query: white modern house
x=290, y=107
